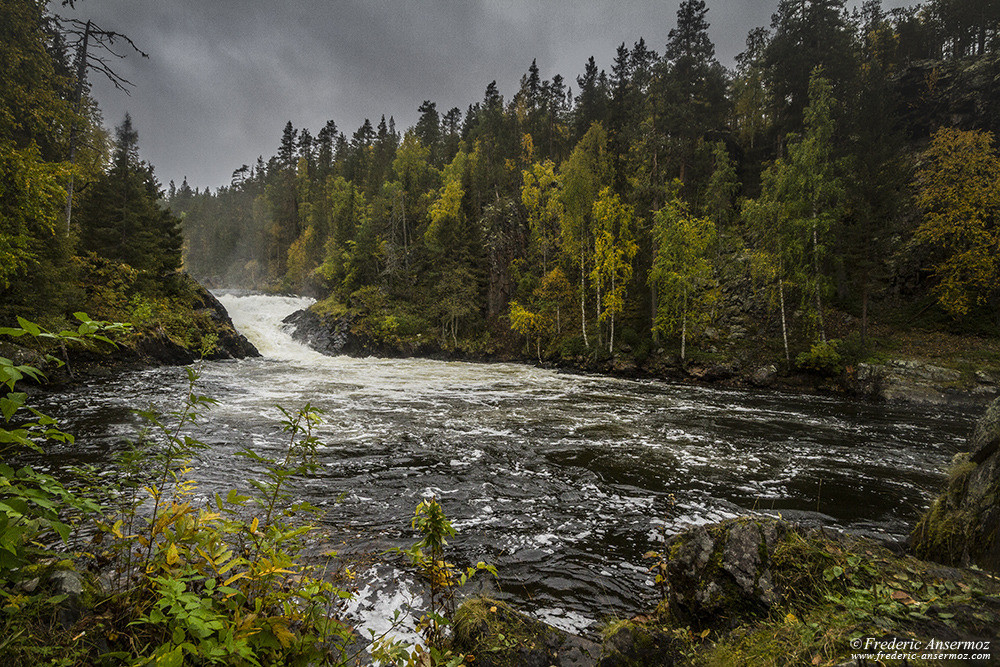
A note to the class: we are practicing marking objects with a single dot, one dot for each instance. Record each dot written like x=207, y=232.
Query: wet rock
x=331, y=336
x=625, y=365
x=499, y=636
x=231, y=343
x=737, y=332
x=66, y=582
x=712, y=372
x=636, y=644
x=962, y=526
x=70, y=584
x=990, y=378
x=720, y=576
x=764, y=376
x=908, y=380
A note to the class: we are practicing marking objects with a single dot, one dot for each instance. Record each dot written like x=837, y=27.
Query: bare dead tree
x=96, y=51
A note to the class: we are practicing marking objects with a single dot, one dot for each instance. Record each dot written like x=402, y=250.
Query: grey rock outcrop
x=721, y=575
x=962, y=526
x=912, y=381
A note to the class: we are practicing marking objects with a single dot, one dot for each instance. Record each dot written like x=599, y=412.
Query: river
x=563, y=481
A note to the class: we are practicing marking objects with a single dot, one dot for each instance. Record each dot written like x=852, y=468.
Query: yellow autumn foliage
x=959, y=193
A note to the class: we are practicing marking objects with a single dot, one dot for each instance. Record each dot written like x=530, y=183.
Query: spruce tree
x=120, y=214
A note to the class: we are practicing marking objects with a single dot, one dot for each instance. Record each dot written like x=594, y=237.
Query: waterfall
x=259, y=318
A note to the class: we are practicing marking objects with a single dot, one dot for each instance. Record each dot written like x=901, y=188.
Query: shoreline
x=903, y=381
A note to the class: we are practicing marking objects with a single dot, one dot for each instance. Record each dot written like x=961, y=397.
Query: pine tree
x=428, y=128
x=591, y=103
x=120, y=216
x=689, y=92
x=807, y=34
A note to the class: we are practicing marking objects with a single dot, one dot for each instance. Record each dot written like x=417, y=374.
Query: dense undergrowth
x=164, y=581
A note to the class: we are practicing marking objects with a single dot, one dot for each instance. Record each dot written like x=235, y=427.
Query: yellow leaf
x=705, y=633
x=790, y=618
x=172, y=555
x=493, y=609
x=235, y=577
x=283, y=634
x=253, y=525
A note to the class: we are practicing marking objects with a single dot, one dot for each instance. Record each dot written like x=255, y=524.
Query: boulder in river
x=962, y=526
x=231, y=343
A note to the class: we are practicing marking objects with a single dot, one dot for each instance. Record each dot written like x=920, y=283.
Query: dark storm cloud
x=224, y=76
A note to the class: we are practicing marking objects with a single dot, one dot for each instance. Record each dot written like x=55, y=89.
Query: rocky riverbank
x=911, y=380
x=208, y=332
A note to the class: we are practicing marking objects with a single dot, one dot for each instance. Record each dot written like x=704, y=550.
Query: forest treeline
x=112, y=248
x=845, y=164
x=572, y=218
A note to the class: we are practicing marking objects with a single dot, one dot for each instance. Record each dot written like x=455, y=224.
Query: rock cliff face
x=962, y=527
x=962, y=93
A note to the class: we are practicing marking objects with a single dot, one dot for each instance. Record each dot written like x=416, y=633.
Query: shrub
x=822, y=359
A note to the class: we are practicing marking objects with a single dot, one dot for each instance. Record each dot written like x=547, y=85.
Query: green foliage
x=34, y=505
x=34, y=246
x=614, y=250
x=454, y=219
x=211, y=586
x=120, y=216
x=822, y=359
x=681, y=270
x=529, y=324
x=443, y=579
x=195, y=586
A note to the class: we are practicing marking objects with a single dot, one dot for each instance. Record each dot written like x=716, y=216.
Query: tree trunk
x=652, y=323
x=684, y=327
x=784, y=324
x=819, y=299
x=864, y=312
x=611, y=344
x=81, y=73
x=583, y=296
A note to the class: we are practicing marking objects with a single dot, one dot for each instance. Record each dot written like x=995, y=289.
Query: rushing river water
x=562, y=481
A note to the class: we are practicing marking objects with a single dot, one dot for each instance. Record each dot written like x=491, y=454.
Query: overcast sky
x=224, y=76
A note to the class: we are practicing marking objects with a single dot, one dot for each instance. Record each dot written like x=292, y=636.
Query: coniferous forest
x=823, y=215
x=843, y=175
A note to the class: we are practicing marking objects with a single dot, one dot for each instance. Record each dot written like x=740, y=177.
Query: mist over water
x=562, y=481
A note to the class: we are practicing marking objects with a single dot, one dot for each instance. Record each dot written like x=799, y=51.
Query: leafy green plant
x=33, y=504
x=822, y=359
x=443, y=579
x=211, y=585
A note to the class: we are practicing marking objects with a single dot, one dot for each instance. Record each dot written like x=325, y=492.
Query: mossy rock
x=962, y=526
x=721, y=576
x=499, y=636
x=638, y=643
x=765, y=593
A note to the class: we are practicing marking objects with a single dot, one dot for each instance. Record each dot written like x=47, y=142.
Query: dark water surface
x=562, y=481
